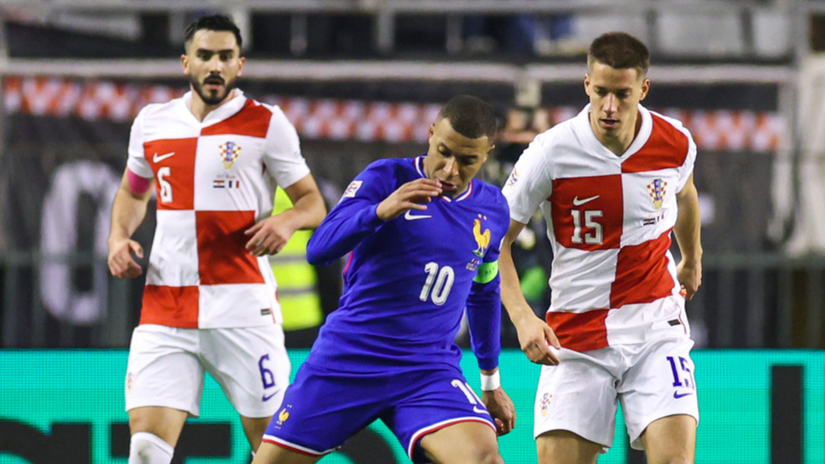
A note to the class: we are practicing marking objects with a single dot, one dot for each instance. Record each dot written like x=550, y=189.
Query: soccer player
x=422, y=240
x=210, y=298
x=612, y=182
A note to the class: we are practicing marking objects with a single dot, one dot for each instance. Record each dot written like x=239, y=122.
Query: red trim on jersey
x=641, y=273
x=173, y=162
x=426, y=431
x=170, y=306
x=222, y=256
x=580, y=331
x=291, y=448
x=594, y=204
x=251, y=121
x=667, y=148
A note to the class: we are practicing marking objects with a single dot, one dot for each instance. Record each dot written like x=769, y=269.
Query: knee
x=147, y=448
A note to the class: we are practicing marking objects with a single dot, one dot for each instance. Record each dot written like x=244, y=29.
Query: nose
x=609, y=104
x=451, y=167
x=215, y=65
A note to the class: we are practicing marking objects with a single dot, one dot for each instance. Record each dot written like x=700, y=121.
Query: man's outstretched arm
x=534, y=335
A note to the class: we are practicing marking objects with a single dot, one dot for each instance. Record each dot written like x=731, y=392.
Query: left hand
x=501, y=408
x=269, y=236
x=690, y=277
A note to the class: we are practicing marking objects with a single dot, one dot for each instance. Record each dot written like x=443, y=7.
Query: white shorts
x=652, y=380
x=167, y=364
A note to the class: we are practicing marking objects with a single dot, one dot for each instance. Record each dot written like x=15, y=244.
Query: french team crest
x=482, y=237
x=657, y=190
x=229, y=153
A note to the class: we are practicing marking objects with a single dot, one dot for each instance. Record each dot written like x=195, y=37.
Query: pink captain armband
x=137, y=184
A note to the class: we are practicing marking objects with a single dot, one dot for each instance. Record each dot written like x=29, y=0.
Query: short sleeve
x=687, y=167
x=137, y=156
x=282, y=156
x=531, y=182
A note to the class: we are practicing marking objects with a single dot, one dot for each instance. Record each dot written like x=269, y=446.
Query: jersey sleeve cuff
x=488, y=363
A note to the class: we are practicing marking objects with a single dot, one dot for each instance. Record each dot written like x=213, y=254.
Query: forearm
x=688, y=225
x=128, y=212
x=341, y=231
x=484, y=319
x=511, y=296
x=307, y=212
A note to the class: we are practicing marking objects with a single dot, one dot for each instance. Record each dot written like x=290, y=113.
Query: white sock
x=148, y=448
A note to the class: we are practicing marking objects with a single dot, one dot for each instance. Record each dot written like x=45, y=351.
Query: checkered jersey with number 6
x=213, y=179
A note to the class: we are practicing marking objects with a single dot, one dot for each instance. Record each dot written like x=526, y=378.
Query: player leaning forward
x=422, y=238
x=612, y=182
x=209, y=303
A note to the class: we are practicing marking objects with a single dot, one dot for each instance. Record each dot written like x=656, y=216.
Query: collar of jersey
x=220, y=113
x=419, y=168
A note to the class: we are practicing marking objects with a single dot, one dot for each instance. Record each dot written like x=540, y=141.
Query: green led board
x=82, y=392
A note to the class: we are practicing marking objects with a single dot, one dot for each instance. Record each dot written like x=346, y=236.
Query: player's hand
x=535, y=338
x=409, y=196
x=268, y=236
x=501, y=409
x=690, y=277
x=121, y=263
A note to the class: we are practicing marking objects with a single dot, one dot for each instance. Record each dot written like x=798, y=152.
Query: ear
x=184, y=61
x=241, y=62
x=645, y=88
x=587, y=84
x=432, y=131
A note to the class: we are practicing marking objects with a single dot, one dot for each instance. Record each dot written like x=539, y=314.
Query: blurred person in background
x=612, y=182
x=209, y=304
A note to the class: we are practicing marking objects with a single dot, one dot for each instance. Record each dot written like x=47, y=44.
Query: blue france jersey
x=407, y=281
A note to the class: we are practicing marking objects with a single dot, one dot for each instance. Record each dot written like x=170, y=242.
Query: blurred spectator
x=521, y=34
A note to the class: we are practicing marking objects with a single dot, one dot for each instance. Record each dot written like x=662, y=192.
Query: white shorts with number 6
x=167, y=366
x=652, y=380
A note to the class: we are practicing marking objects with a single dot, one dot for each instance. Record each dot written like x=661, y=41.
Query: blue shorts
x=323, y=408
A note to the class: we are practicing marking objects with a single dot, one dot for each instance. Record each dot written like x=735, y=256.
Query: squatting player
x=422, y=238
x=209, y=303
x=612, y=182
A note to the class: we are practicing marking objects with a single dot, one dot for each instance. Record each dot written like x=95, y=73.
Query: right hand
x=121, y=263
x=409, y=196
x=535, y=338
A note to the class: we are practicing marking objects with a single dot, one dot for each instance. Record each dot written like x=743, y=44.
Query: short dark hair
x=619, y=50
x=216, y=22
x=470, y=116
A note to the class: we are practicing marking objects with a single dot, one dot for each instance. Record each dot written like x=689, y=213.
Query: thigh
x=659, y=383
x=578, y=396
x=565, y=447
x=251, y=366
x=462, y=442
x=425, y=401
x=323, y=408
x=164, y=369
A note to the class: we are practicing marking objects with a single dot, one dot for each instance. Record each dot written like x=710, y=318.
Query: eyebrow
x=206, y=50
x=444, y=146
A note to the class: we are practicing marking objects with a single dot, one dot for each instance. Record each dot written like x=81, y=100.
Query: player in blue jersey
x=422, y=238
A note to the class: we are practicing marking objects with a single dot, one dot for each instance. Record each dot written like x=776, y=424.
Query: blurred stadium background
x=363, y=79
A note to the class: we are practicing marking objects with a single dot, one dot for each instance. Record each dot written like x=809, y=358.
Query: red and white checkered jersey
x=609, y=220
x=214, y=179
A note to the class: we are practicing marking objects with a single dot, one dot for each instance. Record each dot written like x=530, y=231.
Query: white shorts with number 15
x=652, y=380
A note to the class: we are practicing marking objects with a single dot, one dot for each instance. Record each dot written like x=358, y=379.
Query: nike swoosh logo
x=678, y=395
x=577, y=202
x=267, y=398
x=478, y=410
x=410, y=217
x=158, y=159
